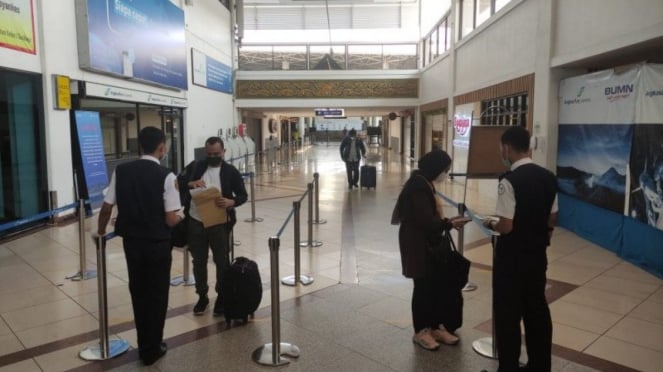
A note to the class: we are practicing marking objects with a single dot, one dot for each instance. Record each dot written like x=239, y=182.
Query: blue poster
x=140, y=39
x=88, y=129
x=210, y=73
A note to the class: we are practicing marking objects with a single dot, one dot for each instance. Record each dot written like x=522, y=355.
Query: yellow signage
x=62, y=93
x=17, y=29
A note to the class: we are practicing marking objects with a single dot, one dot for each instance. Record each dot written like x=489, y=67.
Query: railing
x=302, y=57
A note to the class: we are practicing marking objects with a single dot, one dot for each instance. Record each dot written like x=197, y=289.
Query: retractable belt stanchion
x=297, y=278
x=83, y=273
x=270, y=354
x=316, y=183
x=252, y=186
x=487, y=346
x=106, y=349
x=462, y=208
x=310, y=242
x=186, y=278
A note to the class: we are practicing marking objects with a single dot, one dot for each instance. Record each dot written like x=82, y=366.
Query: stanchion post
x=316, y=182
x=310, y=242
x=252, y=188
x=270, y=354
x=83, y=273
x=105, y=349
x=462, y=208
x=487, y=346
x=186, y=278
x=297, y=278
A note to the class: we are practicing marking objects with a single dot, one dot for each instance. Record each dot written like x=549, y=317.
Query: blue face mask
x=507, y=163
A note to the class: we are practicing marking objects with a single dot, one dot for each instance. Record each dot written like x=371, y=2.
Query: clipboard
x=210, y=214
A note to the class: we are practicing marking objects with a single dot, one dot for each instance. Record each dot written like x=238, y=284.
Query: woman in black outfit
x=419, y=212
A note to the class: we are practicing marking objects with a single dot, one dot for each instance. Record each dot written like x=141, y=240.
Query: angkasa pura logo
x=577, y=99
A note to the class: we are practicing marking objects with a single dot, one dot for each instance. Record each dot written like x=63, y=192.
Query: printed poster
x=646, y=196
x=17, y=29
x=597, y=113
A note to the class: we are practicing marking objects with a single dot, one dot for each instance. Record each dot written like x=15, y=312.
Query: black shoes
x=201, y=306
x=218, y=307
x=151, y=358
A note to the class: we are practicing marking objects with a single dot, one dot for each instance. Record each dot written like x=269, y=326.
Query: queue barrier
x=271, y=353
x=105, y=349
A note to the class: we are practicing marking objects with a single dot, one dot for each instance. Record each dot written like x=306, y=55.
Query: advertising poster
x=17, y=30
x=91, y=146
x=646, y=196
x=597, y=113
x=210, y=73
x=140, y=39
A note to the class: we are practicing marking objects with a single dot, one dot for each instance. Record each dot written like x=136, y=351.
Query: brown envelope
x=209, y=213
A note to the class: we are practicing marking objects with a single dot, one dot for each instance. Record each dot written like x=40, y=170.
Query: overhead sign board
x=330, y=112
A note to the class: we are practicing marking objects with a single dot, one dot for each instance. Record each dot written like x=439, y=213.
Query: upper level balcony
x=303, y=57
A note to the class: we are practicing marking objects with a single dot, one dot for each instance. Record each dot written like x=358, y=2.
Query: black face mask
x=214, y=161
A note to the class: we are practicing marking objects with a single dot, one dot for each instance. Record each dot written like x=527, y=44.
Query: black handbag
x=454, y=266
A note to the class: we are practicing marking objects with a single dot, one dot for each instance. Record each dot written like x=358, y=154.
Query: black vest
x=535, y=189
x=139, y=187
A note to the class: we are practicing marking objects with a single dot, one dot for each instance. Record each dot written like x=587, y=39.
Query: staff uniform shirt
x=171, y=197
x=506, y=197
x=212, y=179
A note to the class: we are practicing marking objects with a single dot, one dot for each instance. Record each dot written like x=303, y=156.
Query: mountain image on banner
x=605, y=190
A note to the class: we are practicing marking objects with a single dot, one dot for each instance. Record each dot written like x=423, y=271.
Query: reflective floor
x=355, y=316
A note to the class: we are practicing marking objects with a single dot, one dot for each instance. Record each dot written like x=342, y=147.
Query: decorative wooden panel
x=274, y=89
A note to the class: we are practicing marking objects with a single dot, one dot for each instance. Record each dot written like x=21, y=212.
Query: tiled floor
x=607, y=313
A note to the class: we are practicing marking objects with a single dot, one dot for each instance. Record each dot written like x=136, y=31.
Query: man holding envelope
x=216, y=188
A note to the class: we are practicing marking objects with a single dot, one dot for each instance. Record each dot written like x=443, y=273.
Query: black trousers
x=148, y=263
x=352, y=168
x=426, y=305
x=519, y=293
x=201, y=240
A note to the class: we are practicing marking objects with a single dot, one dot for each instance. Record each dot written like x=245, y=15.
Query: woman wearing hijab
x=419, y=212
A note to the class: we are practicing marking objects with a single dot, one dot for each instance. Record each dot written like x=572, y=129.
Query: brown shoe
x=444, y=336
x=424, y=339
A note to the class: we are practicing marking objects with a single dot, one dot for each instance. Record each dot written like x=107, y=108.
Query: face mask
x=213, y=161
x=505, y=160
x=442, y=177
x=507, y=163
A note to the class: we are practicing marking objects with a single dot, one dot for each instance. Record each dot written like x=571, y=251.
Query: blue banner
x=88, y=129
x=210, y=73
x=141, y=39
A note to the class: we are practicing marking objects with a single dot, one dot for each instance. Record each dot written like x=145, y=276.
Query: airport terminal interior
x=282, y=82
x=354, y=316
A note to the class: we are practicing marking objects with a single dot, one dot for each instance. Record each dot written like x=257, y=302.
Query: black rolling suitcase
x=367, y=176
x=241, y=290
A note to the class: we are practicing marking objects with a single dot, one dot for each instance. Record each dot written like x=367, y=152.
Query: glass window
x=290, y=58
x=400, y=56
x=255, y=58
x=467, y=17
x=365, y=57
x=499, y=4
x=22, y=163
x=434, y=40
x=483, y=11
x=326, y=58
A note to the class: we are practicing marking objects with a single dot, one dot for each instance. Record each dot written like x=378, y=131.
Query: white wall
x=207, y=30
x=502, y=48
x=434, y=82
x=591, y=27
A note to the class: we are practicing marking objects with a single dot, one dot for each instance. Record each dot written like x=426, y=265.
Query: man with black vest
x=527, y=212
x=212, y=172
x=148, y=205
